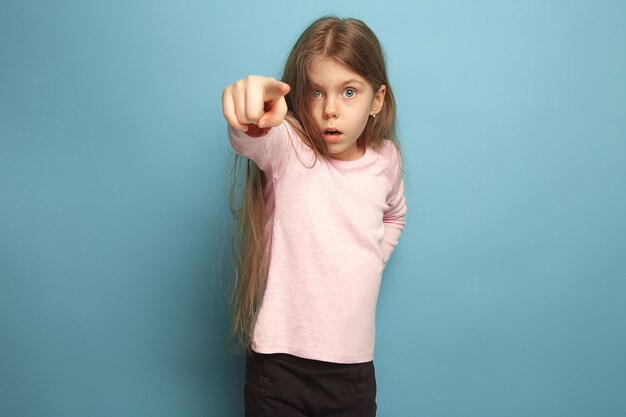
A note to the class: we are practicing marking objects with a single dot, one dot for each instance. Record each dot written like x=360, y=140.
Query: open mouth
x=332, y=135
x=332, y=132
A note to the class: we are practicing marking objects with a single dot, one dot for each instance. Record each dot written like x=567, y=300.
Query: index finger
x=274, y=90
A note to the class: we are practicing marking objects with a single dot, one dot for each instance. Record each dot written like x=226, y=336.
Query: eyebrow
x=353, y=81
x=350, y=81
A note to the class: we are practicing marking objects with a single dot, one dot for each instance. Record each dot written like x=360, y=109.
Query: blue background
x=506, y=296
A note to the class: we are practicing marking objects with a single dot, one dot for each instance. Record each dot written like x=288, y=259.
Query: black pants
x=281, y=385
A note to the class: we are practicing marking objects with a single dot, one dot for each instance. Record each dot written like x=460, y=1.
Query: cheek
x=364, y=115
x=359, y=122
x=359, y=113
x=316, y=108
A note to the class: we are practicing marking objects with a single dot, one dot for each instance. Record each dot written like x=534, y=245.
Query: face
x=342, y=102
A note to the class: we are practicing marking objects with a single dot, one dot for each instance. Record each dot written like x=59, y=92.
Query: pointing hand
x=255, y=101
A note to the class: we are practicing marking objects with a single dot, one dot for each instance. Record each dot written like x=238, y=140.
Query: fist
x=255, y=103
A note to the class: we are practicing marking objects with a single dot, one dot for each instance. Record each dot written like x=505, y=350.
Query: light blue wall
x=504, y=298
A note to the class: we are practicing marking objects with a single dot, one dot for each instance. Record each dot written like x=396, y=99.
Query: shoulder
x=388, y=160
x=389, y=155
x=389, y=149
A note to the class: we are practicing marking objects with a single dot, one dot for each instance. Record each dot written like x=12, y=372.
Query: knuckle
x=228, y=92
x=251, y=80
x=239, y=84
x=254, y=115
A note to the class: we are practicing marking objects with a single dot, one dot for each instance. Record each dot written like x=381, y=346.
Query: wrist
x=256, y=132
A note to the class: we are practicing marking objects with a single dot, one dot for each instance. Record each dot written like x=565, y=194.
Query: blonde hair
x=353, y=44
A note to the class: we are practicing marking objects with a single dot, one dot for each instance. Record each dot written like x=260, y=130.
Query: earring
x=373, y=115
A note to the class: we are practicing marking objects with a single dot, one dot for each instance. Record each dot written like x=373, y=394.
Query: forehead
x=329, y=72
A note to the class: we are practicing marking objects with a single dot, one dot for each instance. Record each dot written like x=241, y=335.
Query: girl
x=322, y=210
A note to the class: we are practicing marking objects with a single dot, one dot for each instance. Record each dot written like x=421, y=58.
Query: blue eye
x=317, y=94
x=349, y=92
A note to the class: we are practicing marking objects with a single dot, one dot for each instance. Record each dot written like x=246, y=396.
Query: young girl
x=322, y=210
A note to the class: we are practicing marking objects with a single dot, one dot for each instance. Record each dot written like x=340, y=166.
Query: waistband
x=304, y=362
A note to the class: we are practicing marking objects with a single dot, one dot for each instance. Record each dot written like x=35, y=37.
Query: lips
x=331, y=134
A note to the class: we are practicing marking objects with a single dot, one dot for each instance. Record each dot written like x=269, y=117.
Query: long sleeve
x=394, y=217
x=266, y=151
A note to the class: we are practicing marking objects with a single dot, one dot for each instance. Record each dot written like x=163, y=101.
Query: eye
x=317, y=94
x=349, y=92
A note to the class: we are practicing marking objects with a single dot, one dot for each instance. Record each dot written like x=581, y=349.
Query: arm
x=394, y=216
x=267, y=150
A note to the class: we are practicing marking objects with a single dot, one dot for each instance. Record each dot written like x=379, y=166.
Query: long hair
x=353, y=44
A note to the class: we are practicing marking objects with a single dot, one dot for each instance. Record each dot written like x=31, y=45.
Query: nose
x=330, y=109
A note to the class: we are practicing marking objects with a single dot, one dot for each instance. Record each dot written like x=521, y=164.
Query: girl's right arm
x=255, y=104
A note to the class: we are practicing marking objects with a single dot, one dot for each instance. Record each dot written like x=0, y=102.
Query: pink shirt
x=332, y=226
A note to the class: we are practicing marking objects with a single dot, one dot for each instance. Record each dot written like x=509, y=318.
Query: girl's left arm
x=394, y=216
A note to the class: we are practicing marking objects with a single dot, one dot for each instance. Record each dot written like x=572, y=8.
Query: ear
x=379, y=100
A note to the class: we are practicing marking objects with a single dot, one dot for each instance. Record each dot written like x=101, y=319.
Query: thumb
x=275, y=105
x=274, y=113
